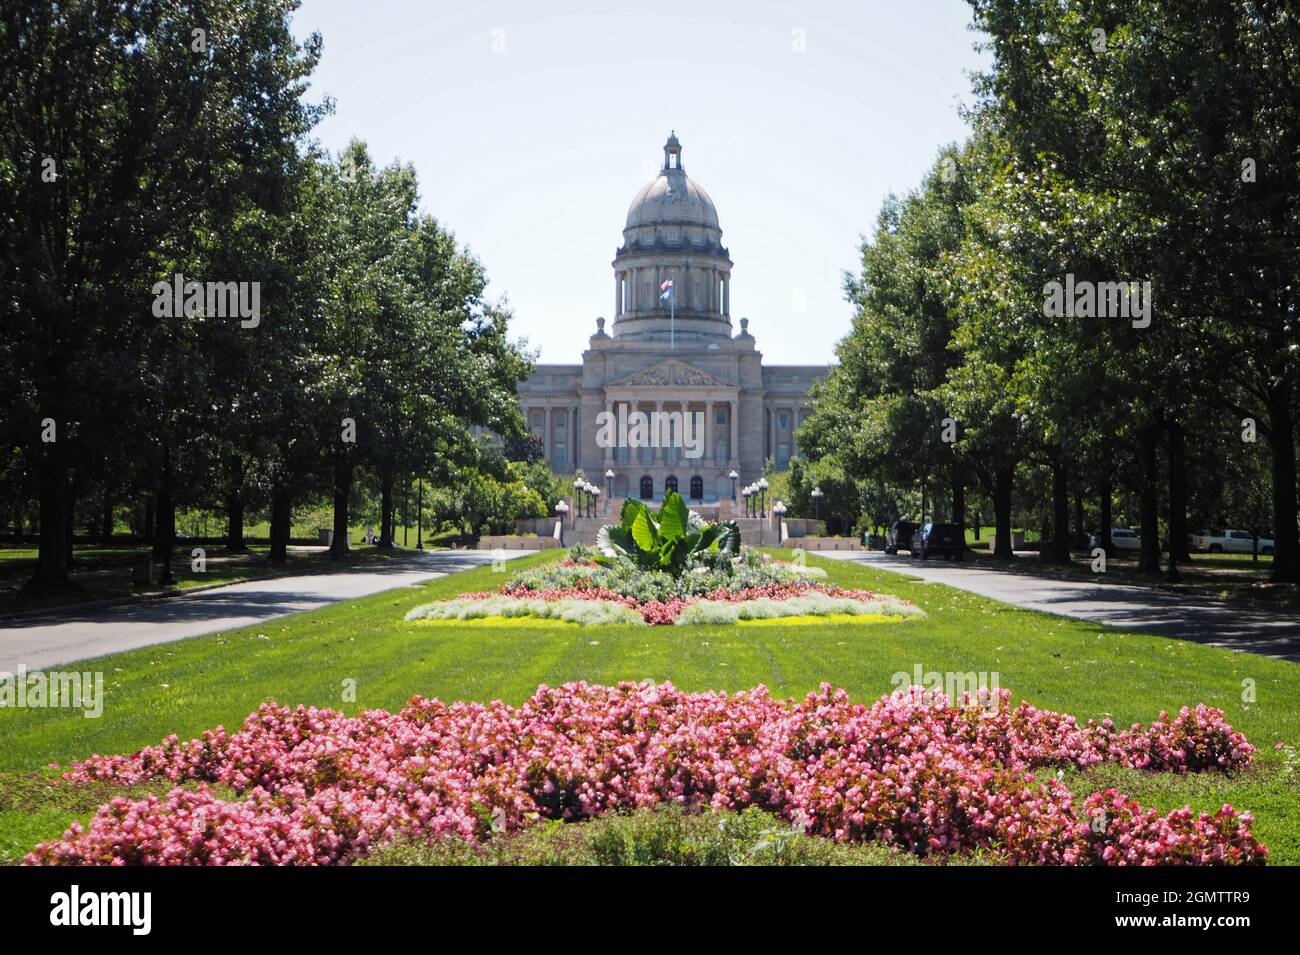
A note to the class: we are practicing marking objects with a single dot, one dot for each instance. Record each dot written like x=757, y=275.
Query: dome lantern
x=673, y=154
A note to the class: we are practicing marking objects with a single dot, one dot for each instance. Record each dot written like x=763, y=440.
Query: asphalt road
x=1269, y=631
x=46, y=641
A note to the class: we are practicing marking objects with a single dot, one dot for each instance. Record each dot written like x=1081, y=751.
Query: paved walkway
x=1268, y=631
x=45, y=641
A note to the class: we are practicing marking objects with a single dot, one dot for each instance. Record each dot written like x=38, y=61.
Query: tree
x=122, y=134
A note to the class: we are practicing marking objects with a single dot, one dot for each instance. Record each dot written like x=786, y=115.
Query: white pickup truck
x=1231, y=542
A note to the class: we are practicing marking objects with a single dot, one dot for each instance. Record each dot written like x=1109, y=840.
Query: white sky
x=532, y=124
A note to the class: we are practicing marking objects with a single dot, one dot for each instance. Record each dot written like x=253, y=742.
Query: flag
x=666, y=290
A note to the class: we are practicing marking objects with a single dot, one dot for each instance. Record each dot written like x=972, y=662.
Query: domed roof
x=672, y=196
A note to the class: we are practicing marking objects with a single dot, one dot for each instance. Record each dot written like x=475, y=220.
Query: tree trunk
x=1060, y=553
x=1286, y=548
x=959, y=503
x=148, y=517
x=164, y=540
x=1080, y=539
x=235, y=507
x=1148, y=504
x=281, y=505
x=342, y=491
x=1178, y=544
x=1002, y=512
x=51, y=572
x=386, y=482
x=235, y=522
x=1105, y=518
x=69, y=529
x=106, y=518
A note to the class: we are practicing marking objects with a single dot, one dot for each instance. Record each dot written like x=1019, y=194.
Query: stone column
x=681, y=434
x=708, y=428
x=546, y=437
x=733, y=413
x=609, y=451
x=657, y=454
x=575, y=444
x=772, y=433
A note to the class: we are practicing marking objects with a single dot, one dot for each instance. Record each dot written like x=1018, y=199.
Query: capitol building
x=671, y=348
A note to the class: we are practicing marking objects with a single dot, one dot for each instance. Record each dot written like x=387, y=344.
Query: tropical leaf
x=674, y=517
x=708, y=537
x=728, y=538
x=615, y=541
x=631, y=507
x=643, y=531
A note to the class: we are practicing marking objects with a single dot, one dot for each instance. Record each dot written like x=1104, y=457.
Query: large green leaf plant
x=670, y=539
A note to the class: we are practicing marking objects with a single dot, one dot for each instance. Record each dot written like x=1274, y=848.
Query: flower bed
x=593, y=605
x=318, y=787
x=584, y=592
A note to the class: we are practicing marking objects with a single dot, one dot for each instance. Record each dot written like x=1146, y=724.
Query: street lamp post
x=609, y=486
x=734, y=478
x=579, y=485
x=779, y=510
x=762, y=497
x=419, y=516
x=595, y=493
x=817, y=503
x=561, y=508
x=744, y=493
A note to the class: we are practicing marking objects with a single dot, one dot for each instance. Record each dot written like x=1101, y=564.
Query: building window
x=720, y=416
x=697, y=488
x=670, y=483
x=783, y=421
x=623, y=455
x=782, y=455
x=720, y=452
x=560, y=458
x=645, y=455
x=647, y=488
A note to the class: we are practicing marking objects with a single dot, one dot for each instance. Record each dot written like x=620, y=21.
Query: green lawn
x=1078, y=668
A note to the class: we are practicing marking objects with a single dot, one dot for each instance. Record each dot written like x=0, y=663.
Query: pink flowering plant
x=913, y=770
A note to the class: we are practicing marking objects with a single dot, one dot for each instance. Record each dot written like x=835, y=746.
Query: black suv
x=938, y=539
x=899, y=536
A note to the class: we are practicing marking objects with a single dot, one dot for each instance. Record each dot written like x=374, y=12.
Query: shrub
x=663, y=836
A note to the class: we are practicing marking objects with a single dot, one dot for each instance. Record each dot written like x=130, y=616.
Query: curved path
x=45, y=641
x=1273, y=632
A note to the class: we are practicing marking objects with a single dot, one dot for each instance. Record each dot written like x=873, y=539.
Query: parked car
x=899, y=536
x=942, y=540
x=1122, y=537
x=1231, y=542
